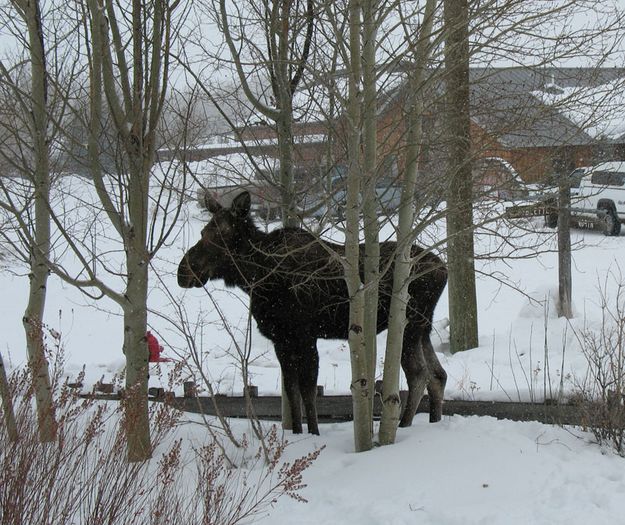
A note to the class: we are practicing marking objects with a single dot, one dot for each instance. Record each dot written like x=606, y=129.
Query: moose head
x=226, y=234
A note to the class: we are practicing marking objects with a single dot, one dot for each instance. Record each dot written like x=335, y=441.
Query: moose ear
x=241, y=204
x=211, y=204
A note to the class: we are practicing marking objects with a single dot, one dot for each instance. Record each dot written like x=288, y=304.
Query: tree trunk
x=370, y=211
x=391, y=404
x=565, y=286
x=33, y=316
x=284, y=132
x=284, y=127
x=7, y=404
x=460, y=249
x=360, y=389
x=135, y=311
x=136, y=352
x=362, y=403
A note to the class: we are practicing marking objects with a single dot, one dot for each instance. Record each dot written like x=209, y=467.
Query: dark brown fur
x=298, y=294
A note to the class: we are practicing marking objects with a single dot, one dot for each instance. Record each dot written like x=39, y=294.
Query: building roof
x=535, y=107
x=520, y=107
x=524, y=107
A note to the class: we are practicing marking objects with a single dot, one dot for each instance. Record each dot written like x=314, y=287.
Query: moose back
x=298, y=294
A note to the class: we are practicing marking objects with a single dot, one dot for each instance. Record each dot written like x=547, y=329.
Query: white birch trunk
x=361, y=397
x=136, y=352
x=33, y=316
x=391, y=404
x=370, y=211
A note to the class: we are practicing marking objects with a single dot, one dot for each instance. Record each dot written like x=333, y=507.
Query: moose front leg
x=290, y=378
x=308, y=369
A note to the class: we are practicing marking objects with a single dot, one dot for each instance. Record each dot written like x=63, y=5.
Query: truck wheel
x=612, y=224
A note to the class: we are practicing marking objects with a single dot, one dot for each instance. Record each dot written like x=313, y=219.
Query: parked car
x=387, y=196
x=598, y=197
x=332, y=200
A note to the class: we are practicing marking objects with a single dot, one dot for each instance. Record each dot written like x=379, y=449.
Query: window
x=608, y=178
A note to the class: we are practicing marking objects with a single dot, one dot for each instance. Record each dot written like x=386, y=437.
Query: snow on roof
x=230, y=141
x=599, y=110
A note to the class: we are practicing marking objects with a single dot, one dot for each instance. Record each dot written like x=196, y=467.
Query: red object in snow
x=155, y=349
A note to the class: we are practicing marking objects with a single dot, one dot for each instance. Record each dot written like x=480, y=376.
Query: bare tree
x=28, y=155
x=129, y=57
x=287, y=30
x=133, y=79
x=134, y=105
x=391, y=404
x=284, y=61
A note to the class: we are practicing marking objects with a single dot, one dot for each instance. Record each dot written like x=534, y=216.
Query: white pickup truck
x=601, y=197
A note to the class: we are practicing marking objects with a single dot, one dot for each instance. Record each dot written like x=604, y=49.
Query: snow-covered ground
x=463, y=470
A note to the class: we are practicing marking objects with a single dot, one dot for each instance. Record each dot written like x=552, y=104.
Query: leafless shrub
x=195, y=368
x=83, y=476
x=236, y=495
x=601, y=391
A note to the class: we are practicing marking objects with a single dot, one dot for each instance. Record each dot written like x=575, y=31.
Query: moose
x=298, y=294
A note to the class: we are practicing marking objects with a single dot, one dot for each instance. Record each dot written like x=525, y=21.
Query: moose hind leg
x=438, y=379
x=308, y=373
x=416, y=371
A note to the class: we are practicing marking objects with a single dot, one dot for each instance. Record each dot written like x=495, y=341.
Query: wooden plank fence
x=339, y=407
x=333, y=408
